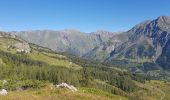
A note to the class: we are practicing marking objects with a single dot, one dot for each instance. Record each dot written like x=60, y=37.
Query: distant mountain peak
x=165, y=18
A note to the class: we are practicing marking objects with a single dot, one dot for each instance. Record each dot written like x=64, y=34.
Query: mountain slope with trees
x=23, y=71
x=144, y=47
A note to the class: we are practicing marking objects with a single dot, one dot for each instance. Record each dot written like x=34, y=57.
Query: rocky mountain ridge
x=70, y=40
x=148, y=41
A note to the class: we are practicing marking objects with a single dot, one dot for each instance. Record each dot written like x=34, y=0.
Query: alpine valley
x=73, y=65
x=143, y=49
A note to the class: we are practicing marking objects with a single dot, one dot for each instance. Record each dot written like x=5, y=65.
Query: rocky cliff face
x=148, y=40
x=105, y=49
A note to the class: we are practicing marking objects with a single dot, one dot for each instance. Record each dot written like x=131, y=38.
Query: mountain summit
x=147, y=41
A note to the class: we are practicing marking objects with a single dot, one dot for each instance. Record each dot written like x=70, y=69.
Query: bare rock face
x=65, y=85
x=104, y=50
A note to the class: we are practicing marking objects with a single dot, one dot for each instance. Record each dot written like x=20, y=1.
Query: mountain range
x=107, y=65
x=70, y=40
x=148, y=41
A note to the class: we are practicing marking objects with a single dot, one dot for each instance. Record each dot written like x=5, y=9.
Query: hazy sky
x=84, y=15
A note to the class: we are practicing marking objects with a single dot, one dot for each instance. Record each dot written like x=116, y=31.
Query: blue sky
x=84, y=15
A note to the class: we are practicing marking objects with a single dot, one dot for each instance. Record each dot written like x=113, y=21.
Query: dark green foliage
x=19, y=59
x=14, y=84
x=124, y=83
x=18, y=66
x=139, y=77
x=108, y=88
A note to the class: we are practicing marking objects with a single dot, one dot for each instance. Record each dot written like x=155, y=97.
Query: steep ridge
x=148, y=41
x=105, y=49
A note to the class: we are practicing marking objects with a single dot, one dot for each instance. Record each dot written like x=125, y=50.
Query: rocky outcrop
x=3, y=92
x=23, y=48
x=65, y=85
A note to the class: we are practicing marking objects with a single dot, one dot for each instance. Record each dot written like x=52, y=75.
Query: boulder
x=65, y=85
x=23, y=48
x=3, y=92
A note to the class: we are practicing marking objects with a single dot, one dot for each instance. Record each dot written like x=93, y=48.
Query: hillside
x=50, y=92
x=10, y=45
x=28, y=69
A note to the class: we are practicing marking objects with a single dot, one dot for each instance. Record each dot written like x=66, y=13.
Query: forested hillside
x=27, y=66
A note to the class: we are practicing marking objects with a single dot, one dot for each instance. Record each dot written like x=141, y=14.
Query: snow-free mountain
x=70, y=40
x=148, y=41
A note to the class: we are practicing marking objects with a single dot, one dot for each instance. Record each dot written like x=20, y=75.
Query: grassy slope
x=51, y=93
x=48, y=58
x=162, y=87
x=153, y=90
x=5, y=42
x=149, y=91
x=51, y=60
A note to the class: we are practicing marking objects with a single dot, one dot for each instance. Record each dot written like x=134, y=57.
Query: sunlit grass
x=151, y=90
x=52, y=61
x=51, y=93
